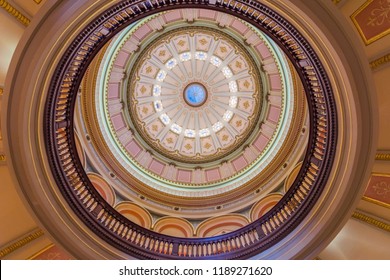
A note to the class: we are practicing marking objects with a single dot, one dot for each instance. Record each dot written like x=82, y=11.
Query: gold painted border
x=21, y=242
x=377, y=202
x=3, y=158
x=380, y=174
x=38, y=1
x=40, y=251
x=14, y=12
x=353, y=18
x=369, y=220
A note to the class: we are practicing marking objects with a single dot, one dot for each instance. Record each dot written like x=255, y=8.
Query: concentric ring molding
x=348, y=83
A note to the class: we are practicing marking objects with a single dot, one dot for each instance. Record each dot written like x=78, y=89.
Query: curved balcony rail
x=145, y=244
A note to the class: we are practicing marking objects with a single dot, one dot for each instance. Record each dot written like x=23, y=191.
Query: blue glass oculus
x=195, y=94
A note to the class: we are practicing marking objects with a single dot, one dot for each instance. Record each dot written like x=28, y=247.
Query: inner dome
x=218, y=66
x=192, y=126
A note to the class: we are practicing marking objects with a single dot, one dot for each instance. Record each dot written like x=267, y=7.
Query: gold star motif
x=170, y=140
x=181, y=43
x=149, y=69
x=239, y=123
x=246, y=84
x=145, y=110
x=207, y=145
x=225, y=138
x=246, y=104
x=188, y=146
x=223, y=49
x=143, y=89
x=238, y=64
x=161, y=53
x=203, y=41
x=154, y=127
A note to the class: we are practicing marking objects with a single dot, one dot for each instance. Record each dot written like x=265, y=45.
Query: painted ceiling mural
x=190, y=123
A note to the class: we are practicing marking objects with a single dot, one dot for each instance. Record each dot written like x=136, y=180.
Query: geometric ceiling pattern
x=185, y=93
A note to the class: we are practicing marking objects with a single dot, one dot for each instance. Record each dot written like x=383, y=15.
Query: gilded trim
x=379, y=62
x=21, y=242
x=382, y=156
x=38, y=1
x=336, y=1
x=3, y=158
x=374, y=201
x=369, y=220
x=1, y=91
x=14, y=12
x=40, y=251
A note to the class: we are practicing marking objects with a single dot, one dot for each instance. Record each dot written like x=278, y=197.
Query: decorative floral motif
x=188, y=146
x=381, y=14
x=181, y=43
x=382, y=188
x=145, y=110
x=203, y=41
x=223, y=49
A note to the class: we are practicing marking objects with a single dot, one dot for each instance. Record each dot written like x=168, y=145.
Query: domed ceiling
x=193, y=119
x=155, y=130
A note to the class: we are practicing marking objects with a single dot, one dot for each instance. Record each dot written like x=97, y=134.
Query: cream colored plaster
x=15, y=219
x=11, y=31
x=358, y=240
x=381, y=79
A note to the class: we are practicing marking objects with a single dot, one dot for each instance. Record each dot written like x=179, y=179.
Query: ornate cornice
x=374, y=64
x=369, y=220
x=14, y=12
x=382, y=156
x=20, y=243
